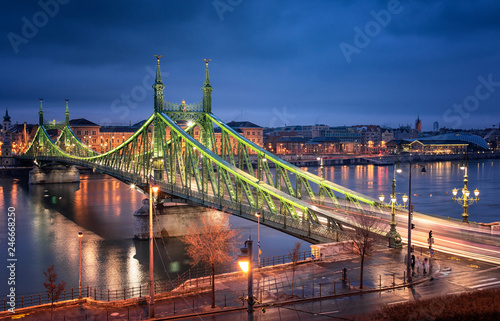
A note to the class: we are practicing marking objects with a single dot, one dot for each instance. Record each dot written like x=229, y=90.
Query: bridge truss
x=225, y=172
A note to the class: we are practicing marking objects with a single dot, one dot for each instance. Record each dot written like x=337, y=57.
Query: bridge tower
x=207, y=91
x=158, y=129
x=66, y=114
x=158, y=86
x=40, y=114
x=67, y=141
x=206, y=126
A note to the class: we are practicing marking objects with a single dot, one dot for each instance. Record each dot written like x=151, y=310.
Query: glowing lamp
x=381, y=198
x=455, y=191
x=476, y=192
x=243, y=259
x=405, y=198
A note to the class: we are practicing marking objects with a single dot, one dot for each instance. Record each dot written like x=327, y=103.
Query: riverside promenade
x=314, y=281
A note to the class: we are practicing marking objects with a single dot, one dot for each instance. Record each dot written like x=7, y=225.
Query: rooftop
x=81, y=122
x=242, y=124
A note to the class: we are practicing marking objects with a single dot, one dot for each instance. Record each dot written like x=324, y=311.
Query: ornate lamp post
x=80, y=235
x=245, y=262
x=410, y=224
x=465, y=200
x=394, y=237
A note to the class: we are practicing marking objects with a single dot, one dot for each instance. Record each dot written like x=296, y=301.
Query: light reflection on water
x=48, y=219
x=431, y=192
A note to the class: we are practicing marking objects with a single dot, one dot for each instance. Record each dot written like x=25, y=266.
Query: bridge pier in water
x=170, y=220
x=57, y=174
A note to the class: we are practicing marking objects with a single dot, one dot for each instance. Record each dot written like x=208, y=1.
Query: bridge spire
x=40, y=113
x=66, y=114
x=207, y=90
x=158, y=87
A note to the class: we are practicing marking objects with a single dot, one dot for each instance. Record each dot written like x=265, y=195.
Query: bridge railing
x=193, y=278
x=301, y=228
x=304, y=229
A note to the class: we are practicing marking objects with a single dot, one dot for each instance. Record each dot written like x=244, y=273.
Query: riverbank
x=273, y=286
x=382, y=160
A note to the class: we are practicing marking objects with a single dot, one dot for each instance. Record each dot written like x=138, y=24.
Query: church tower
x=6, y=122
x=418, y=124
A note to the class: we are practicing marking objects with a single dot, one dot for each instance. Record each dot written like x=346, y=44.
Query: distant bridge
x=208, y=172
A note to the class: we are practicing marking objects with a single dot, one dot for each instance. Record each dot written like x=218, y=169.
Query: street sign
x=432, y=251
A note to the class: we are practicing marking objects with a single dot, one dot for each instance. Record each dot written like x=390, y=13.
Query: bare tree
x=54, y=289
x=366, y=232
x=294, y=255
x=212, y=243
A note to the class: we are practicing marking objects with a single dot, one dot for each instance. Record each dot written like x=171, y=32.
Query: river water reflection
x=48, y=218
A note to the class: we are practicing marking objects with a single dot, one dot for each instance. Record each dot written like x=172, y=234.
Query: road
x=451, y=237
x=455, y=275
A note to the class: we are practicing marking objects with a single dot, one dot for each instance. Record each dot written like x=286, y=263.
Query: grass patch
x=477, y=306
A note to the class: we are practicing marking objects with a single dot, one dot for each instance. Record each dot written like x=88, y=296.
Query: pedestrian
x=413, y=263
x=418, y=262
x=425, y=266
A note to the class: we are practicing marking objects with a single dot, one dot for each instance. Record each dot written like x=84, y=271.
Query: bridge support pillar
x=171, y=219
x=54, y=175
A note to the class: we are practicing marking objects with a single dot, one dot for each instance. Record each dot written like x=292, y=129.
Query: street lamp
x=80, y=235
x=465, y=200
x=152, y=189
x=258, y=237
x=320, y=166
x=394, y=237
x=410, y=225
x=245, y=262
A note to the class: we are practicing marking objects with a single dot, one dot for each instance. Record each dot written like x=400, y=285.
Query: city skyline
x=273, y=63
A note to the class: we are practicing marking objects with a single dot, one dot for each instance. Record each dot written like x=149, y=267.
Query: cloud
x=265, y=55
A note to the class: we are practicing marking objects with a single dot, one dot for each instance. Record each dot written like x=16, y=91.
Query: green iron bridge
x=208, y=172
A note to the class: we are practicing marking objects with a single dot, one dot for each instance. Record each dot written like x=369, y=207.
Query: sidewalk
x=383, y=270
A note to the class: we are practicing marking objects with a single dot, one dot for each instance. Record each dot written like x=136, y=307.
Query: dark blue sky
x=274, y=62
